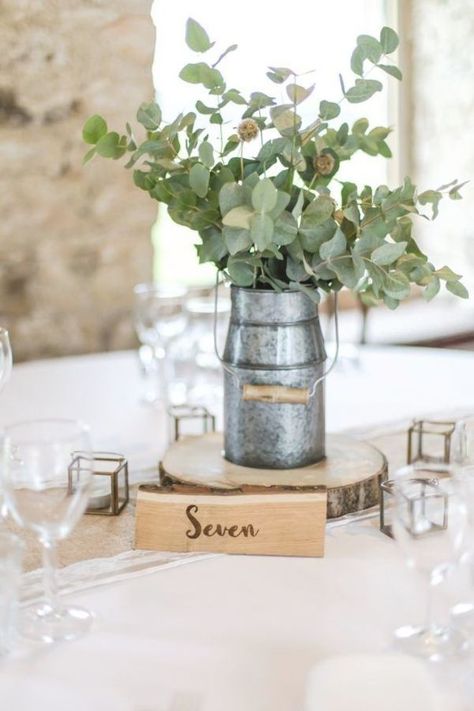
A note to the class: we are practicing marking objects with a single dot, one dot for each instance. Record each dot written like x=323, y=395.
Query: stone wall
x=73, y=239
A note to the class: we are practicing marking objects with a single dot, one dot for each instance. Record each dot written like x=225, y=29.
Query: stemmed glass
x=462, y=457
x=46, y=490
x=159, y=316
x=429, y=524
x=6, y=361
x=5, y=357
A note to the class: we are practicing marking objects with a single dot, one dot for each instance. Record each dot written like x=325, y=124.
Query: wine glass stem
x=50, y=565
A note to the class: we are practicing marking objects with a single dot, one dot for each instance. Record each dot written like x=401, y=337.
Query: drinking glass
x=47, y=492
x=429, y=524
x=462, y=456
x=11, y=553
x=5, y=357
x=159, y=316
x=5, y=372
x=197, y=370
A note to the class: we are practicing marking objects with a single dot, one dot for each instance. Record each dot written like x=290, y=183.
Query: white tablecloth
x=230, y=633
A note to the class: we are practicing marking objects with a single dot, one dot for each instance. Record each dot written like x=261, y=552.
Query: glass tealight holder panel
x=110, y=488
x=387, y=506
x=191, y=420
x=429, y=441
x=426, y=506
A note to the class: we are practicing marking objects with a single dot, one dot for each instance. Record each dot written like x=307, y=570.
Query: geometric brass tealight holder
x=183, y=415
x=421, y=505
x=430, y=441
x=110, y=489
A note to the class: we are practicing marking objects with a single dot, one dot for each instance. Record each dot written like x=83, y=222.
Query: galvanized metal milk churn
x=273, y=359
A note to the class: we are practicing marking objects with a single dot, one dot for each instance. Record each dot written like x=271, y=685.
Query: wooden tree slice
x=351, y=472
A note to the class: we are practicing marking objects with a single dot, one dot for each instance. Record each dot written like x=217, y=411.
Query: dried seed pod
x=248, y=130
x=324, y=164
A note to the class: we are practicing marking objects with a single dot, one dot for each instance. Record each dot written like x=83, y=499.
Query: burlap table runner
x=93, y=537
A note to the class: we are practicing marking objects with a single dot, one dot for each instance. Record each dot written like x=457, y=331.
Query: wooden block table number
x=257, y=521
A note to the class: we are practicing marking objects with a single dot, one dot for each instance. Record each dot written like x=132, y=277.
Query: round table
x=230, y=632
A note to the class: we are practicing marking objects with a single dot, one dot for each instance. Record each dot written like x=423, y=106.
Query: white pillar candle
x=359, y=682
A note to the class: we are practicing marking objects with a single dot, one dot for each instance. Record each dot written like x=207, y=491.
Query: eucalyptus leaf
x=328, y=110
x=230, y=195
x=199, y=179
x=282, y=201
x=334, y=247
x=388, y=40
x=264, y=196
x=234, y=96
x=241, y=272
x=197, y=38
x=357, y=61
x=351, y=213
x=312, y=235
x=227, y=51
x=364, y=89
x=202, y=73
x=396, y=285
x=388, y=253
x=360, y=126
x=206, y=154
x=108, y=146
x=285, y=120
x=432, y=289
x=261, y=231
x=285, y=229
x=390, y=302
x=213, y=247
x=236, y=239
x=94, y=128
x=458, y=289
x=297, y=94
x=203, y=109
x=149, y=115
x=239, y=217
x=279, y=74
x=392, y=70
x=431, y=197
x=319, y=210
x=345, y=271
x=342, y=134
x=370, y=47
x=447, y=274
x=89, y=155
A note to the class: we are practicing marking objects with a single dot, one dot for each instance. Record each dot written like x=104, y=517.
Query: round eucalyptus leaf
x=199, y=179
x=264, y=195
x=94, y=128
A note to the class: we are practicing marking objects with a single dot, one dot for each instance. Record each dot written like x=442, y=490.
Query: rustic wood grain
x=275, y=394
x=351, y=472
x=266, y=523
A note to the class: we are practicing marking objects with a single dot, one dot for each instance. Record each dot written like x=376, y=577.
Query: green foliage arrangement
x=281, y=219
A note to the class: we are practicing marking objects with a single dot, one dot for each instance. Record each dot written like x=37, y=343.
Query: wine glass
x=5, y=357
x=159, y=316
x=462, y=457
x=6, y=361
x=46, y=490
x=197, y=369
x=429, y=524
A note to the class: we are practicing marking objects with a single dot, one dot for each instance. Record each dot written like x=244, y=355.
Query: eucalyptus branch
x=242, y=213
